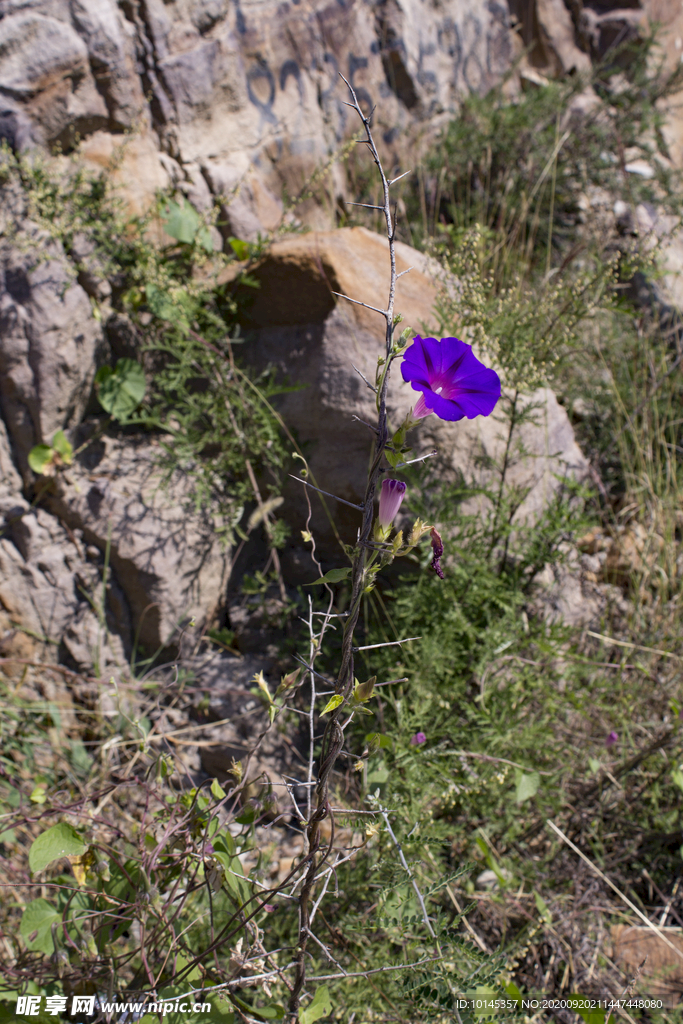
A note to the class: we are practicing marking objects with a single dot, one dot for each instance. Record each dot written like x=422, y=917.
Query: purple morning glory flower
x=418, y=739
x=453, y=382
x=390, y=498
x=612, y=739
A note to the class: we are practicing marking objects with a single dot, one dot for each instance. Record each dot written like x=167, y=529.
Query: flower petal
x=457, y=358
x=422, y=361
x=445, y=408
x=420, y=410
x=453, y=382
x=477, y=393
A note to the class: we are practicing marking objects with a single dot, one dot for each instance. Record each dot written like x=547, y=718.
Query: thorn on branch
x=429, y=455
x=368, y=425
x=359, y=303
x=391, y=643
x=361, y=374
x=336, y=497
x=394, y=180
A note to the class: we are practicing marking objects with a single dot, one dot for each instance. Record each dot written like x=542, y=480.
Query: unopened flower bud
x=391, y=496
x=437, y=547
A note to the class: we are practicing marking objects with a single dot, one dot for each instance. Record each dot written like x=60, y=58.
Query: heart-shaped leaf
x=40, y=458
x=181, y=222
x=36, y=925
x=62, y=840
x=121, y=390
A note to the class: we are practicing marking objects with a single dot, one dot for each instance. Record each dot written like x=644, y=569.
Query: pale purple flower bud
x=612, y=739
x=418, y=739
x=391, y=496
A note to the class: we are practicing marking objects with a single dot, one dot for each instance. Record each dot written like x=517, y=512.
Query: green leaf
x=63, y=447
x=204, y=239
x=378, y=775
x=677, y=778
x=81, y=760
x=527, y=786
x=399, y=438
x=62, y=840
x=36, y=925
x=364, y=691
x=225, y=843
x=181, y=222
x=39, y=458
x=332, y=703
x=589, y=1015
x=485, y=995
x=217, y=790
x=320, y=1006
x=542, y=908
x=333, y=576
x=378, y=741
x=246, y=817
x=514, y=992
x=275, y=1012
x=242, y=250
x=161, y=303
x=121, y=390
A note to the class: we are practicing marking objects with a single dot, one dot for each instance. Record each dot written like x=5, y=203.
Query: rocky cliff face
x=242, y=98
x=226, y=87
x=236, y=99
x=230, y=98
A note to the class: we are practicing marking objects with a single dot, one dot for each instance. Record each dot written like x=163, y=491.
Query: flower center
x=438, y=390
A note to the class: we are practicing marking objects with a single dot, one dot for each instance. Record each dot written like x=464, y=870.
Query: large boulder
x=49, y=588
x=244, y=96
x=50, y=343
x=10, y=481
x=44, y=66
x=297, y=325
x=167, y=558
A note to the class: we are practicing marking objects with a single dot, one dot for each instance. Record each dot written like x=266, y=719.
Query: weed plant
x=210, y=416
x=511, y=718
x=500, y=718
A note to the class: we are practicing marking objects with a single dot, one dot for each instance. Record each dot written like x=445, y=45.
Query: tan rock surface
x=298, y=326
x=247, y=91
x=166, y=558
x=133, y=162
x=50, y=342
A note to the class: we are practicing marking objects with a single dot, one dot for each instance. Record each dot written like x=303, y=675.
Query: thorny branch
x=158, y=899
x=333, y=739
